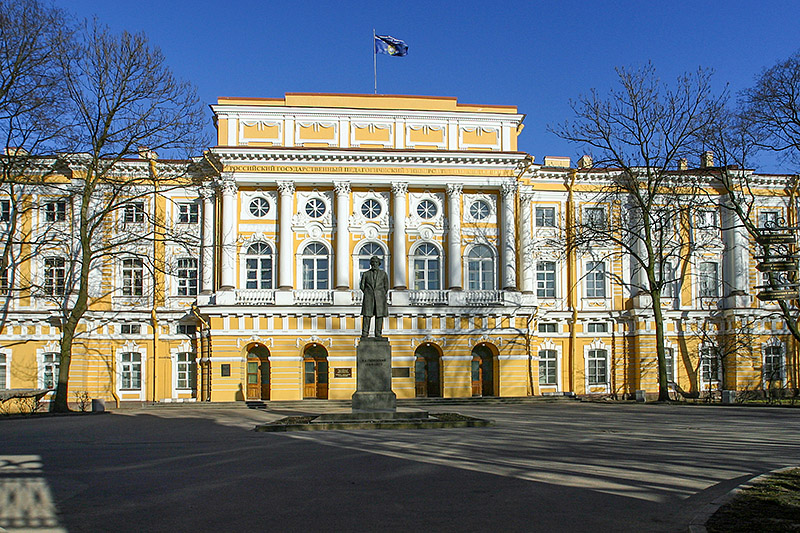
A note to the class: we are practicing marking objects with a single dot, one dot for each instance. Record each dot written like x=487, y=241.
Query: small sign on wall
x=225, y=370
x=401, y=372
x=343, y=372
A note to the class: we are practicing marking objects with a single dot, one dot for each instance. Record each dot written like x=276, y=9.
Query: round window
x=315, y=208
x=426, y=209
x=259, y=207
x=479, y=210
x=371, y=208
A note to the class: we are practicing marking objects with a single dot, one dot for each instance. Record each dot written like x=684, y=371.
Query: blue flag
x=385, y=44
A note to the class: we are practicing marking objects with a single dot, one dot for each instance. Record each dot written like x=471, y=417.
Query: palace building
x=274, y=225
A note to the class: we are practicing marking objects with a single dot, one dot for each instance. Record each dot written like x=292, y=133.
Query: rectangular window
x=187, y=277
x=707, y=219
x=187, y=329
x=669, y=288
x=133, y=213
x=131, y=369
x=597, y=327
x=546, y=217
x=185, y=371
x=769, y=218
x=547, y=367
x=3, y=371
x=130, y=329
x=546, y=279
x=49, y=371
x=773, y=364
x=132, y=277
x=595, y=218
x=595, y=279
x=709, y=279
x=188, y=213
x=55, y=211
x=710, y=367
x=548, y=327
x=5, y=279
x=5, y=210
x=225, y=370
x=55, y=274
x=598, y=367
x=669, y=360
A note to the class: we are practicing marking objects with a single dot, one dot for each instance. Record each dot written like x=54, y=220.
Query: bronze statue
x=375, y=286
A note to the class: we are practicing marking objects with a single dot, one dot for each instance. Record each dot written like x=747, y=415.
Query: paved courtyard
x=543, y=467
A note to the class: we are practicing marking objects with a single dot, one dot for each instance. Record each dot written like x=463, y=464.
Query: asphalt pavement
x=564, y=466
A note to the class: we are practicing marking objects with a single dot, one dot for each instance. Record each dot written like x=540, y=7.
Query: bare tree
x=637, y=135
x=34, y=123
x=125, y=99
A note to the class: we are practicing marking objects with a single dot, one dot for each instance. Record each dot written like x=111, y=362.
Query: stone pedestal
x=374, y=376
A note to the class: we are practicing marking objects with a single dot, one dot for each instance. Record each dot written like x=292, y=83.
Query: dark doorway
x=427, y=374
x=258, y=373
x=315, y=372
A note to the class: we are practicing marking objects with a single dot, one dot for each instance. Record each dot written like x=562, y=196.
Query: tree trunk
x=658, y=318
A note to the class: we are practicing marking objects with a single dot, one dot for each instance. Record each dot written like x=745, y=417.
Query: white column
x=736, y=261
x=454, y=235
x=525, y=242
x=285, y=235
x=342, y=189
x=508, y=273
x=399, y=258
x=229, y=233
x=207, y=240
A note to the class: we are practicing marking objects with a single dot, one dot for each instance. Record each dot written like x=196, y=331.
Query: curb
x=698, y=523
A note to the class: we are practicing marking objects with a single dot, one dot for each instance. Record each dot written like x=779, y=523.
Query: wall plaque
x=343, y=372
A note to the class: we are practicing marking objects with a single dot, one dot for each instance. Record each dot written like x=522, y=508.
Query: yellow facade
x=297, y=195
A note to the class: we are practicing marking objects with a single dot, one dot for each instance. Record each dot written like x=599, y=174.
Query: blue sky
x=535, y=55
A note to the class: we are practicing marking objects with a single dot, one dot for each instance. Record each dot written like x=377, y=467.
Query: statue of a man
x=375, y=286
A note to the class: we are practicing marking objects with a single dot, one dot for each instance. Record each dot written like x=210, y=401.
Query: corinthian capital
x=227, y=184
x=454, y=189
x=399, y=188
x=286, y=187
x=341, y=187
x=508, y=188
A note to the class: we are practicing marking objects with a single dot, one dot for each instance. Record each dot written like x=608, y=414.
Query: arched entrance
x=427, y=372
x=315, y=372
x=482, y=371
x=258, y=373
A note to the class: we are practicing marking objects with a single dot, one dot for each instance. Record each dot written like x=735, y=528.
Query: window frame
x=55, y=276
x=426, y=269
x=316, y=264
x=185, y=371
x=768, y=364
x=542, y=221
x=592, y=367
x=187, y=285
x=481, y=272
x=132, y=277
x=55, y=211
x=550, y=367
x=133, y=213
x=49, y=364
x=5, y=210
x=424, y=212
x=595, y=280
x=592, y=220
x=543, y=280
x=188, y=213
x=705, y=282
x=130, y=371
x=257, y=256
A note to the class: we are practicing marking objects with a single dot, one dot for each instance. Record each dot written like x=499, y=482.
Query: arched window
x=315, y=261
x=367, y=251
x=426, y=266
x=258, y=266
x=480, y=269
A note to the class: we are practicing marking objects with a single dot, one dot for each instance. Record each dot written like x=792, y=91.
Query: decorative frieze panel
x=314, y=133
x=426, y=136
x=426, y=209
x=372, y=134
x=258, y=205
x=479, y=137
x=371, y=208
x=260, y=132
x=313, y=208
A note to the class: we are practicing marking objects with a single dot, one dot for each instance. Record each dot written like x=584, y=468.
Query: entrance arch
x=483, y=371
x=315, y=372
x=258, y=373
x=427, y=372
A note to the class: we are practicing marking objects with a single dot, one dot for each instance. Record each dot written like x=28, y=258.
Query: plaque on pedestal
x=374, y=376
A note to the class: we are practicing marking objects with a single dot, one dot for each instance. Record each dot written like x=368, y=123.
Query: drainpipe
x=571, y=274
x=205, y=361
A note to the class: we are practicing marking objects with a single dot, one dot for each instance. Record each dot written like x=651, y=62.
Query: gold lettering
x=299, y=169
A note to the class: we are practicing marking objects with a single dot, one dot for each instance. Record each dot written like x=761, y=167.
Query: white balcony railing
x=480, y=298
x=427, y=297
x=255, y=296
x=313, y=297
x=358, y=296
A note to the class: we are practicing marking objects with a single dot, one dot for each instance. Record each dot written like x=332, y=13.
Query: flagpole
x=374, y=62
